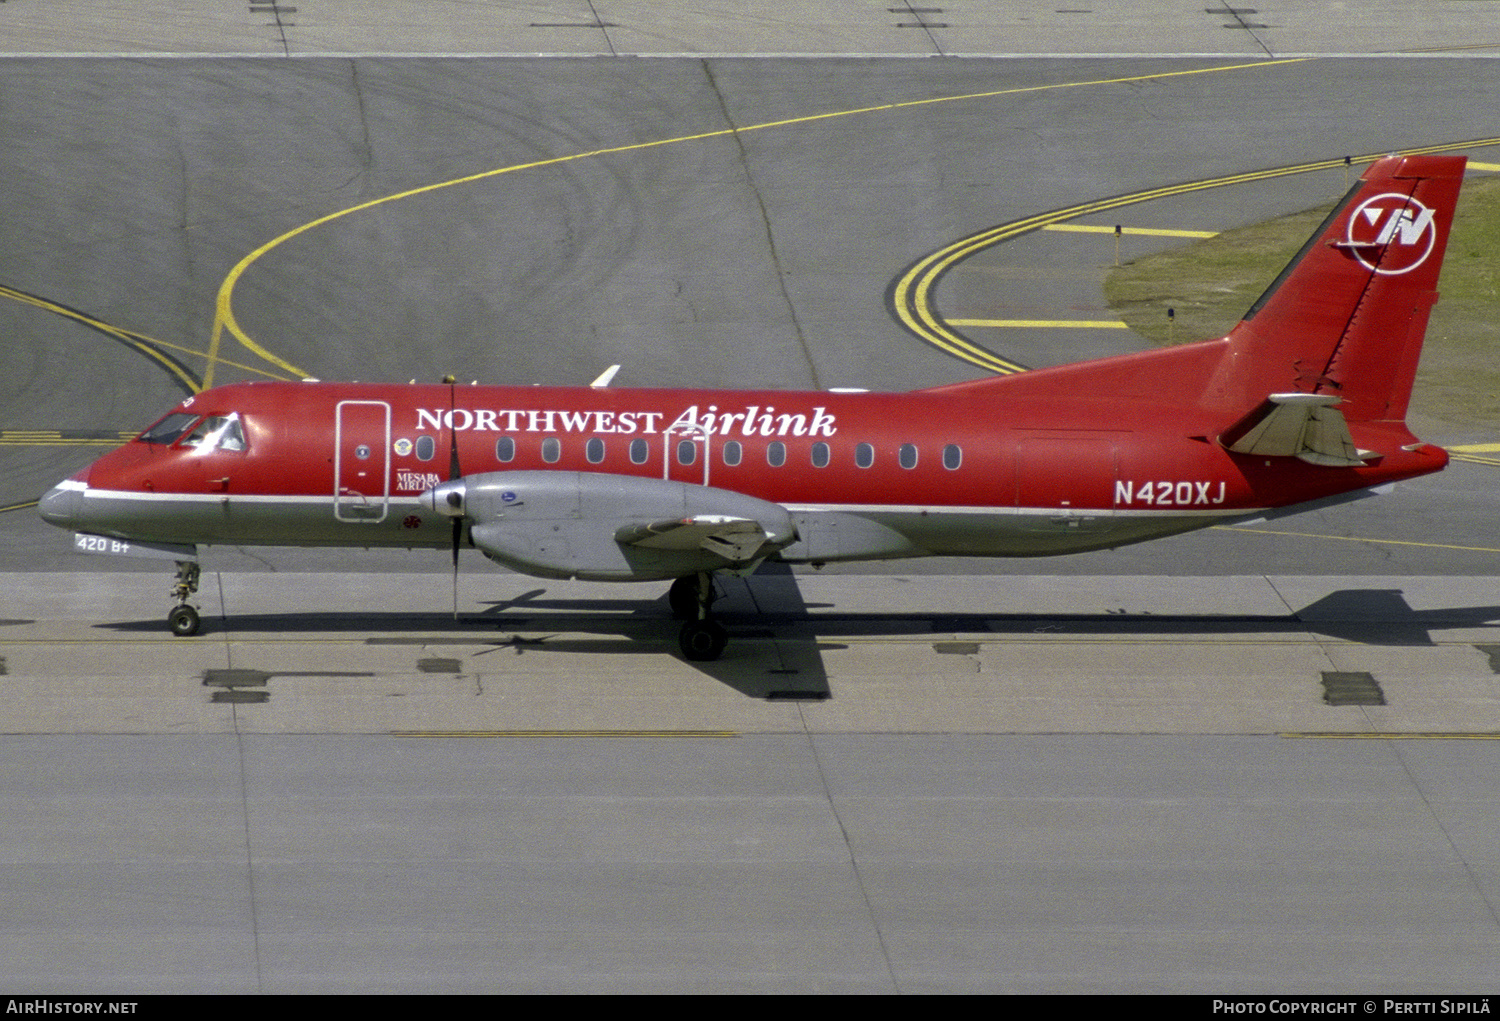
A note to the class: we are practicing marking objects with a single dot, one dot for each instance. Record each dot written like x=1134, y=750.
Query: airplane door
x=685, y=454
x=361, y=461
x=1063, y=482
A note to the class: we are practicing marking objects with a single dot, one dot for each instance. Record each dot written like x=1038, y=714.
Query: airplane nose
x=446, y=499
x=61, y=505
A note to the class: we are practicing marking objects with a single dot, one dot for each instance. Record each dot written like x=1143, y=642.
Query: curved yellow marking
x=139, y=342
x=224, y=306
x=136, y=341
x=912, y=294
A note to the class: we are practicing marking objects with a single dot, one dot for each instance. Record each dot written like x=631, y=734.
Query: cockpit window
x=217, y=432
x=168, y=429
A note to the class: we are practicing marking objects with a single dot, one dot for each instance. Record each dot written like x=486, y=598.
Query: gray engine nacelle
x=603, y=527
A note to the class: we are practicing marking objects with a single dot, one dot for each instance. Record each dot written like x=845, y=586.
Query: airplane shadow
x=790, y=665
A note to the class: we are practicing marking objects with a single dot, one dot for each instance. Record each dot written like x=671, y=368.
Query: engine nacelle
x=602, y=527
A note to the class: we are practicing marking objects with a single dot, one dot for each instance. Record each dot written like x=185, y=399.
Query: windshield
x=169, y=428
x=217, y=432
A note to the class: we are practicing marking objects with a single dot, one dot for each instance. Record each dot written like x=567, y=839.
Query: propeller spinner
x=446, y=498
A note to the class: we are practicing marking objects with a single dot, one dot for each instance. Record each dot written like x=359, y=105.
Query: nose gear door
x=361, y=461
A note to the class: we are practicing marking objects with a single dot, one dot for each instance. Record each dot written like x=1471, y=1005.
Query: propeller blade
x=454, y=474
x=453, y=469
x=458, y=526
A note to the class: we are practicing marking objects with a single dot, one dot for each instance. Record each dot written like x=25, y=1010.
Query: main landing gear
x=692, y=598
x=183, y=620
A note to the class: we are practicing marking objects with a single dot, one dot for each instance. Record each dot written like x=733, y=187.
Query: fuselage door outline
x=361, y=461
x=672, y=466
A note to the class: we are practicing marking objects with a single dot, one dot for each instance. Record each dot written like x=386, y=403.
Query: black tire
x=683, y=598
x=183, y=620
x=702, y=640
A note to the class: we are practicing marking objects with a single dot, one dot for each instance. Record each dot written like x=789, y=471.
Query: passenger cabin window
x=640, y=450
x=820, y=455
x=594, y=450
x=907, y=455
x=953, y=456
x=426, y=448
x=552, y=450
x=687, y=451
x=505, y=449
x=864, y=455
x=733, y=453
x=776, y=453
x=217, y=432
x=168, y=429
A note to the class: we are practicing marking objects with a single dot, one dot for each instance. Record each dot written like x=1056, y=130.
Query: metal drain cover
x=1351, y=687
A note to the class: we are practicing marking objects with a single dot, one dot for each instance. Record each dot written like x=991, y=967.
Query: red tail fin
x=1348, y=315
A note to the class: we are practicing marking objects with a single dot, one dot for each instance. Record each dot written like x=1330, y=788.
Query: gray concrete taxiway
x=373, y=654
x=1226, y=785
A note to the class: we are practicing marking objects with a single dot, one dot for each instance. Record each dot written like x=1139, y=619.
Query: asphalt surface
x=766, y=863
x=1039, y=784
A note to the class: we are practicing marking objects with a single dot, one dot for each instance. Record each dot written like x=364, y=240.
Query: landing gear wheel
x=702, y=640
x=683, y=597
x=183, y=620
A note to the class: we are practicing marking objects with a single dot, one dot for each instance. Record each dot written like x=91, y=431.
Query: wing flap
x=737, y=540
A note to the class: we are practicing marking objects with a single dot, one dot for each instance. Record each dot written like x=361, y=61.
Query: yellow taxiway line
x=1154, y=232
x=56, y=438
x=1077, y=324
x=1358, y=538
x=1334, y=735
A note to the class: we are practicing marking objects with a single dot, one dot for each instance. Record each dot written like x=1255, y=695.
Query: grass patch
x=1212, y=282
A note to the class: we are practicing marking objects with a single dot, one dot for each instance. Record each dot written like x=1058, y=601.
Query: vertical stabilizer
x=1347, y=317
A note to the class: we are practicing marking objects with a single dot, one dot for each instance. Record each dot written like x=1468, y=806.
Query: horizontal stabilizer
x=735, y=539
x=1305, y=426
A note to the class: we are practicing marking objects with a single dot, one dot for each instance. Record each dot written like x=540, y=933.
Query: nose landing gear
x=183, y=620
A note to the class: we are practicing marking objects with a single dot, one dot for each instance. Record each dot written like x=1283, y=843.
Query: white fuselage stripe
x=414, y=500
x=119, y=494
x=1079, y=512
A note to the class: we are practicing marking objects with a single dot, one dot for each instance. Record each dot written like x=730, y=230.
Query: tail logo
x=1391, y=233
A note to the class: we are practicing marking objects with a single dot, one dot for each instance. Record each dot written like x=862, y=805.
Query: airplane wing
x=1305, y=426
x=612, y=527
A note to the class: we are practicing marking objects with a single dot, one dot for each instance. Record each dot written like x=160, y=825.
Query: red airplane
x=1302, y=404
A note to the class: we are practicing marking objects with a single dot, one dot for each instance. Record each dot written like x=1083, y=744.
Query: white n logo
x=1410, y=228
x=1391, y=233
